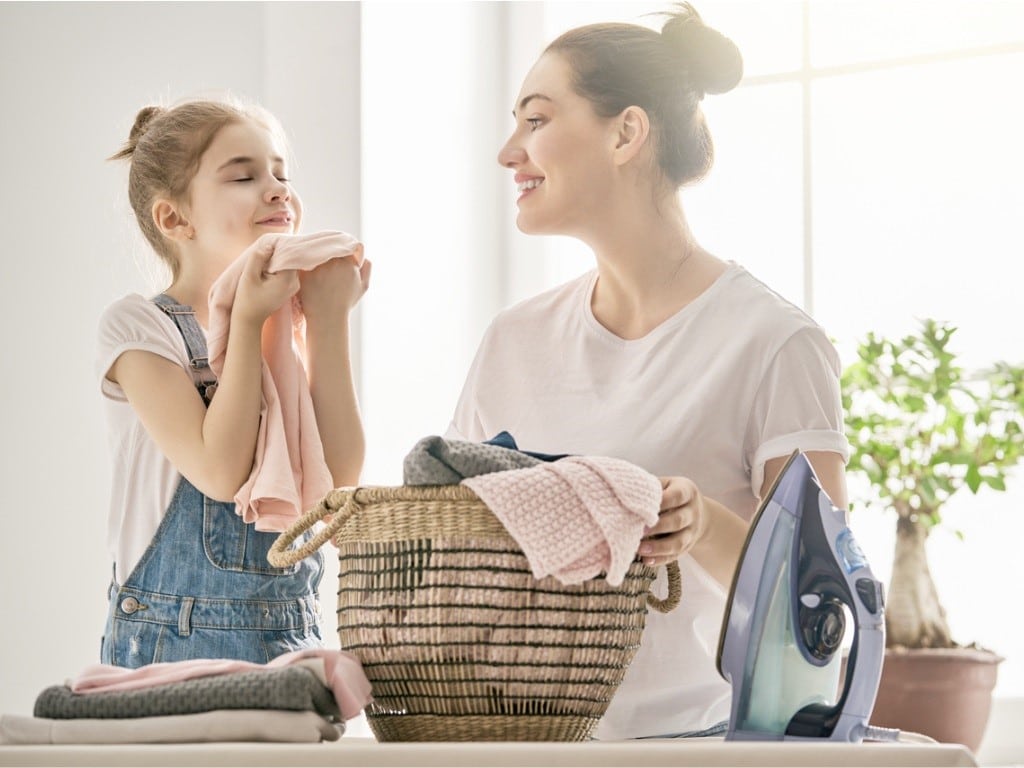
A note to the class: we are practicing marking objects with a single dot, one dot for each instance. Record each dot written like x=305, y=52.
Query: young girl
x=208, y=182
x=665, y=355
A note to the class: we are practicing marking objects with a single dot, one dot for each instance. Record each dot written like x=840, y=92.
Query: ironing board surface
x=367, y=752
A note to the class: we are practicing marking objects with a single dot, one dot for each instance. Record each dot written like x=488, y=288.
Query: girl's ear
x=170, y=221
x=633, y=128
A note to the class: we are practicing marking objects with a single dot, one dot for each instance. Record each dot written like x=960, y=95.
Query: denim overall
x=204, y=588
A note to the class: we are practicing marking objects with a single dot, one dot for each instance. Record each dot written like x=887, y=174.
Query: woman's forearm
x=718, y=550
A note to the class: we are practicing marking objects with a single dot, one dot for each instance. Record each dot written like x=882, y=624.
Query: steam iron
x=784, y=623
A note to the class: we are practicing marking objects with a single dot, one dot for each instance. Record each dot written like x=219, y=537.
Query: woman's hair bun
x=712, y=60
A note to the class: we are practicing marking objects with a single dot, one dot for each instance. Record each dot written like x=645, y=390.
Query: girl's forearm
x=332, y=387
x=232, y=420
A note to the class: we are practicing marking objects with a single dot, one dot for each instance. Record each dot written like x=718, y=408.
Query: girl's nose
x=278, y=190
x=510, y=155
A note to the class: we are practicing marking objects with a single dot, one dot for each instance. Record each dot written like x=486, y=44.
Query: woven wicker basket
x=458, y=639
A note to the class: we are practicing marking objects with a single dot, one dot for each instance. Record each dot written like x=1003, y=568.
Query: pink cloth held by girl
x=574, y=518
x=289, y=474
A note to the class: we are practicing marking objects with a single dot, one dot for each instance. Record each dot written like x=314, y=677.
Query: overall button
x=129, y=605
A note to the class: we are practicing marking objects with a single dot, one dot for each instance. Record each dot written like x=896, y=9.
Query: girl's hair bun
x=712, y=60
x=143, y=120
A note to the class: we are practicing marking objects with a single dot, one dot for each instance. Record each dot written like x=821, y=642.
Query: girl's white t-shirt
x=143, y=479
x=737, y=377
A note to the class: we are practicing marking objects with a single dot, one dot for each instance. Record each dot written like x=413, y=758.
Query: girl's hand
x=260, y=293
x=329, y=292
x=682, y=522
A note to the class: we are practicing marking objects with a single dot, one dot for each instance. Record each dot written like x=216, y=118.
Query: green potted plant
x=922, y=429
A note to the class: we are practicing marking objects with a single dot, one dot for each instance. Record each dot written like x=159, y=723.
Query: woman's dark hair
x=666, y=74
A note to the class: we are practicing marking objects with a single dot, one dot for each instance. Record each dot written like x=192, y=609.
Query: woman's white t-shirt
x=143, y=479
x=735, y=378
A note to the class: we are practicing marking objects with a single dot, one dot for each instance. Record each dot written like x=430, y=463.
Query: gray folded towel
x=436, y=461
x=289, y=688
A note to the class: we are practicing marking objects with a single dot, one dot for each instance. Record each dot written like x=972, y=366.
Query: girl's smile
x=281, y=219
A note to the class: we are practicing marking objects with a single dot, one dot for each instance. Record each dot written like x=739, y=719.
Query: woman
x=665, y=355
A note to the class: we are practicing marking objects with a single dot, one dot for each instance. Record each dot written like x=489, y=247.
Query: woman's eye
x=282, y=179
x=247, y=178
x=534, y=122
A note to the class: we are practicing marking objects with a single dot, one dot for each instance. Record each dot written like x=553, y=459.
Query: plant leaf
x=973, y=478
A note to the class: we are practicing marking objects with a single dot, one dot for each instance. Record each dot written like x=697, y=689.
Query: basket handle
x=675, y=590
x=280, y=556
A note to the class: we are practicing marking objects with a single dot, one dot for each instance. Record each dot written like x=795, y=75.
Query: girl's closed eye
x=534, y=122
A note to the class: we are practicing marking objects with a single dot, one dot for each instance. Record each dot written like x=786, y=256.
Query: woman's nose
x=510, y=155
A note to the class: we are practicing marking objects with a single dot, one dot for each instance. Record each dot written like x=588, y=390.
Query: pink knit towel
x=574, y=518
x=289, y=474
x=341, y=670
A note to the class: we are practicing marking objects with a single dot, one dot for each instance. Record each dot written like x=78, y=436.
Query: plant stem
x=914, y=617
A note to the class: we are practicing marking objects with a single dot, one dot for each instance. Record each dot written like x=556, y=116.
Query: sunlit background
x=868, y=168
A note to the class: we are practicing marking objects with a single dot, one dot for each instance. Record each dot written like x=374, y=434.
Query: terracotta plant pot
x=945, y=693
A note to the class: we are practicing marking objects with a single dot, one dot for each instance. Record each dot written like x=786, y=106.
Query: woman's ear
x=633, y=129
x=171, y=222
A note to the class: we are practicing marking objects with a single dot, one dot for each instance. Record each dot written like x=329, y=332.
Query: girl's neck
x=192, y=288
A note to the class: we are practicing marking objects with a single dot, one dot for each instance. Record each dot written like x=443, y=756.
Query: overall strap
x=184, y=318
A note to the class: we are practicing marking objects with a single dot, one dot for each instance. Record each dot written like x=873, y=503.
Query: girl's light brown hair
x=164, y=149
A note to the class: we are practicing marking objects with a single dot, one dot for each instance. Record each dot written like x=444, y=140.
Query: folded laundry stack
x=298, y=697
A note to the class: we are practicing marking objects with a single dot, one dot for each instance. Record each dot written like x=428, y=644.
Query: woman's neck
x=649, y=267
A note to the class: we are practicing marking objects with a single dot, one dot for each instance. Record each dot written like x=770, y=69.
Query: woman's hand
x=682, y=522
x=329, y=292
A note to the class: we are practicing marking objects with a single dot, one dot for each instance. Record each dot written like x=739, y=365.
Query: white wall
x=72, y=76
